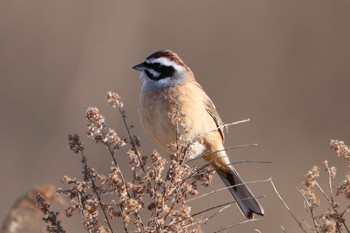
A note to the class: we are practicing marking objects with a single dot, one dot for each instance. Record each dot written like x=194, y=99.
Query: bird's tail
x=244, y=197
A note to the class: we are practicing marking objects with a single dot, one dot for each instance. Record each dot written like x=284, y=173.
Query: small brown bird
x=168, y=85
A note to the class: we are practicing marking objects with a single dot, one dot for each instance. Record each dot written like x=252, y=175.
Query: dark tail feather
x=244, y=197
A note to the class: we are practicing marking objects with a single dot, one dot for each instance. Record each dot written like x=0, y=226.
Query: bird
x=169, y=87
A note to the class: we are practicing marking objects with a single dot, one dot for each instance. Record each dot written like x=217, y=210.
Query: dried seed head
x=114, y=99
x=112, y=140
x=332, y=171
x=311, y=175
x=327, y=225
x=341, y=149
x=74, y=143
x=309, y=182
x=95, y=124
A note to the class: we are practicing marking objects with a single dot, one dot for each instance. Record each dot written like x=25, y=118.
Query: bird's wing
x=215, y=115
x=211, y=109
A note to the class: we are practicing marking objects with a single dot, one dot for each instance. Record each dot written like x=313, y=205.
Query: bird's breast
x=176, y=114
x=155, y=109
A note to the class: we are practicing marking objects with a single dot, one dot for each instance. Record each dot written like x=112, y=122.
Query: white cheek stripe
x=153, y=72
x=149, y=84
x=165, y=61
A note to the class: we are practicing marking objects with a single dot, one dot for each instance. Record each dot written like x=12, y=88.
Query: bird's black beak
x=140, y=67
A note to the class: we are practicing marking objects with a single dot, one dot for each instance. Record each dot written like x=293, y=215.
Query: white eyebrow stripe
x=165, y=61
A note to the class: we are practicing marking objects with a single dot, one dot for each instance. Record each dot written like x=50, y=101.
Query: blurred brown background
x=283, y=64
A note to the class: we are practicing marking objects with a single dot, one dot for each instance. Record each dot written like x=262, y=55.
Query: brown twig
x=202, y=221
x=284, y=230
x=238, y=224
x=311, y=210
x=225, y=188
x=287, y=207
x=51, y=217
x=94, y=189
x=226, y=126
x=225, y=204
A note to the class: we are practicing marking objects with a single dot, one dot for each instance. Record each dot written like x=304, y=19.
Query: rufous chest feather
x=174, y=112
x=156, y=107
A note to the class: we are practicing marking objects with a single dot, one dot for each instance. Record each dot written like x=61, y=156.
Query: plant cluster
x=333, y=219
x=152, y=201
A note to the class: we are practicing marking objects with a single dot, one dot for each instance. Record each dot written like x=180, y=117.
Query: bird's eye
x=156, y=65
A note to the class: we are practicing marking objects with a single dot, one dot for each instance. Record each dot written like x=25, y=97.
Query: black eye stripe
x=151, y=76
x=147, y=65
x=155, y=66
x=164, y=71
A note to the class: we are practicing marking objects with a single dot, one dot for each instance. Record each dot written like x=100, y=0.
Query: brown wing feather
x=215, y=115
x=211, y=109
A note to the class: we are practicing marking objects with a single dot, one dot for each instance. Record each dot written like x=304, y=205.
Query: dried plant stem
x=163, y=193
x=225, y=188
x=170, y=209
x=50, y=217
x=241, y=161
x=230, y=148
x=311, y=210
x=226, y=149
x=284, y=230
x=324, y=194
x=346, y=227
x=344, y=224
x=124, y=182
x=308, y=225
x=287, y=207
x=330, y=183
x=183, y=181
x=132, y=141
x=202, y=221
x=222, y=205
x=81, y=207
x=250, y=161
x=94, y=189
x=331, y=202
x=226, y=126
x=329, y=199
x=111, y=152
x=218, y=212
x=236, y=122
x=133, y=144
x=238, y=224
x=344, y=211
